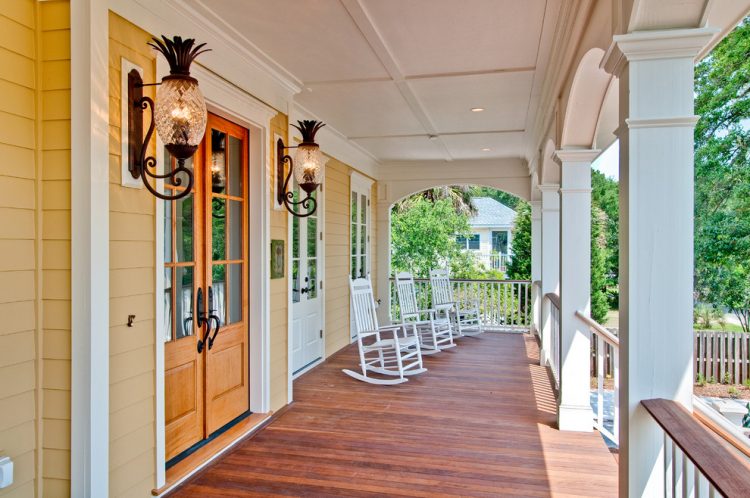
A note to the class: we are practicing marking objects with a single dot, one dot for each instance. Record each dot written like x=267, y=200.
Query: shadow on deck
x=480, y=422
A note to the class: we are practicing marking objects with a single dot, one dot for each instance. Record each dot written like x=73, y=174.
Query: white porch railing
x=503, y=304
x=494, y=260
x=553, y=301
x=607, y=345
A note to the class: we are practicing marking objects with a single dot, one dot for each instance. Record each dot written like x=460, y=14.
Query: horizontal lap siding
x=20, y=272
x=55, y=160
x=279, y=289
x=132, y=451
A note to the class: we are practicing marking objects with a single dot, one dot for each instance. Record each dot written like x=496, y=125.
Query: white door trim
x=228, y=101
x=89, y=54
x=360, y=184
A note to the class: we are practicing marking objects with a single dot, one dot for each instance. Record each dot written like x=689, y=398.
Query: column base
x=575, y=418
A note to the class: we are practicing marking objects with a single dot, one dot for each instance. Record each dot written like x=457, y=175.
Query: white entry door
x=359, y=232
x=307, y=320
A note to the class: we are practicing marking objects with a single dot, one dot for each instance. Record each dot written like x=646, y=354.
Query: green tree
x=520, y=264
x=722, y=175
x=460, y=197
x=509, y=200
x=599, y=304
x=605, y=195
x=423, y=237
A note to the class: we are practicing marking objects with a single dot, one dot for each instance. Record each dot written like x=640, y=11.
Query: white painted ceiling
x=399, y=77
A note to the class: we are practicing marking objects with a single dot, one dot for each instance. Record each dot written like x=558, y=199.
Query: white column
x=574, y=409
x=656, y=239
x=536, y=262
x=383, y=255
x=550, y=260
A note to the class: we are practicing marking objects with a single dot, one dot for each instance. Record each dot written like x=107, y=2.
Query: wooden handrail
x=608, y=336
x=717, y=460
x=720, y=425
x=553, y=298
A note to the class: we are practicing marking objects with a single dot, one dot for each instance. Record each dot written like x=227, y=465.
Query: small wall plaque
x=277, y=258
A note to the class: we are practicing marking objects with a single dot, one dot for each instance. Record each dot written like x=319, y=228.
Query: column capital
x=655, y=44
x=563, y=156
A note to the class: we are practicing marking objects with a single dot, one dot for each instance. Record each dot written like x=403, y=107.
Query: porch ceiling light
x=179, y=115
x=306, y=166
x=477, y=109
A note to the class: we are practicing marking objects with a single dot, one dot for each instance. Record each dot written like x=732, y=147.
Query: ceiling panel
x=448, y=101
x=363, y=109
x=438, y=36
x=402, y=148
x=319, y=42
x=469, y=146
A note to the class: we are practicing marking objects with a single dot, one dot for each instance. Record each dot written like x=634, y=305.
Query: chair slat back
x=363, y=302
x=407, y=295
x=442, y=290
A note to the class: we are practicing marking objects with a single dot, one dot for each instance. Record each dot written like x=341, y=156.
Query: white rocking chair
x=435, y=332
x=466, y=319
x=388, y=350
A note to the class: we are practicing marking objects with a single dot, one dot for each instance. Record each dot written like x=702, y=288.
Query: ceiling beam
x=363, y=21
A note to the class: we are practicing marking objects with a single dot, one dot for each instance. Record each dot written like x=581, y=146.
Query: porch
x=481, y=422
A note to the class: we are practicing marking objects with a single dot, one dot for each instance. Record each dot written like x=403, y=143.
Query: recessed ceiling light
x=477, y=109
x=486, y=149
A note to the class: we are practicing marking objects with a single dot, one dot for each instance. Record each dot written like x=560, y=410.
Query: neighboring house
x=491, y=233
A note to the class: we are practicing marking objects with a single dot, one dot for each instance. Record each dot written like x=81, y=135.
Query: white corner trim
x=126, y=179
x=89, y=450
x=674, y=122
x=336, y=144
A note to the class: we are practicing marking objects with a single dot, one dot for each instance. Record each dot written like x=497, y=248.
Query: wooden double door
x=206, y=292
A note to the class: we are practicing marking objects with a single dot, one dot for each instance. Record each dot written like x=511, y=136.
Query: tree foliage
x=605, y=195
x=599, y=304
x=520, y=264
x=722, y=175
x=423, y=237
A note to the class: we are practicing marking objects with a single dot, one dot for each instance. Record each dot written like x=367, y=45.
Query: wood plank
x=713, y=456
x=480, y=422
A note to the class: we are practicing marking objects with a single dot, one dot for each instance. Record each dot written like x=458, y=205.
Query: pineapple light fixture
x=179, y=116
x=306, y=166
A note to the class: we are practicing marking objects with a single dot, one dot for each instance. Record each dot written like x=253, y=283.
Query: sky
x=609, y=161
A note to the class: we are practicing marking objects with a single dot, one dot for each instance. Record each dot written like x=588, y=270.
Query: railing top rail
x=716, y=459
x=553, y=298
x=720, y=425
x=475, y=280
x=608, y=336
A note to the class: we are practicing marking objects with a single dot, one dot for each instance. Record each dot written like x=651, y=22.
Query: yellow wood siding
x=337, y=238
x=35, y=245
x=132, y=452
x=278, y=289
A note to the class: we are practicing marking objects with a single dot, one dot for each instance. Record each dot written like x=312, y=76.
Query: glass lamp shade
x=308, y=161
x=180, y=113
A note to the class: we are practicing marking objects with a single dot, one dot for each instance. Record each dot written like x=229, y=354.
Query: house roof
x=491, y=213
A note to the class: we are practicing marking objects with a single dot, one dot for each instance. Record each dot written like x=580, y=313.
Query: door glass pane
x=354, y=207
x=295, y=281
x=355, y=274
x=312, y=275
x=218, y=161
x=184, y=301
x=235, y=229
x=312, y=236
x=354, y=232
x=363, y=266
x=218, y=284
x=168, y=311
x=363, y=209
x=218, y=228
x=184, y=229
x=168, y=206
x=295, y=237
x=362, y=239
x=235, y=292
x=235, y=166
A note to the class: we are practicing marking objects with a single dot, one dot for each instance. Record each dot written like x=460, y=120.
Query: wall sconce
x=179, y=115
x=306, y=167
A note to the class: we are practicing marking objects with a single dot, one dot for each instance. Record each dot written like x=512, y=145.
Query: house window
x=470, y=242
x=500, y=242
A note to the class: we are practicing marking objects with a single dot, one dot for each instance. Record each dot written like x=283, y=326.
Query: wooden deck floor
x=480, y=422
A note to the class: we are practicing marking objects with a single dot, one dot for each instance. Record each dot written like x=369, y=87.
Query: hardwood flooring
x=480, y=422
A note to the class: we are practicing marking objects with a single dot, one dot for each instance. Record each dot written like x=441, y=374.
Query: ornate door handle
x=212, y=317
